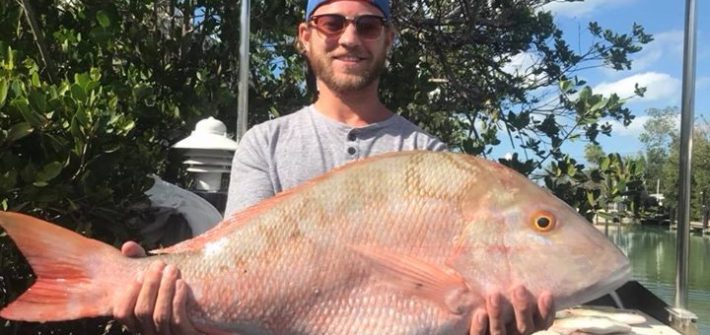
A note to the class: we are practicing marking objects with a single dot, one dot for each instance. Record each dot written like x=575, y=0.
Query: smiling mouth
x=350, y=59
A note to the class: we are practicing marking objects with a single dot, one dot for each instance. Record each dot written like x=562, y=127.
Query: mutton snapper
x=402, y=243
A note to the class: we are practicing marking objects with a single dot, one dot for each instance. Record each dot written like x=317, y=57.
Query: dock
x=696, y=227
x=606, y=320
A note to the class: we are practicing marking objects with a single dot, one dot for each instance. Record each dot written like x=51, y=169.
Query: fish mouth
x=597, y=290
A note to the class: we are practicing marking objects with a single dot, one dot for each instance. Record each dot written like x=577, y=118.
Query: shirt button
x=351, y=150
x=352, y=137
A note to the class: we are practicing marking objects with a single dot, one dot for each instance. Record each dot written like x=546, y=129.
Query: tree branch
x=39, y=40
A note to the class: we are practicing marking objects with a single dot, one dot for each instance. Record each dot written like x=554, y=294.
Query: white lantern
x=209, y=154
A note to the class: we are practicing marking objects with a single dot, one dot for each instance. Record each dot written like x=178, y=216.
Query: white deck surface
x=606, y=320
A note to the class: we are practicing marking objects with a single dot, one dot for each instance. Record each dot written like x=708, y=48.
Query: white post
x=243, y=101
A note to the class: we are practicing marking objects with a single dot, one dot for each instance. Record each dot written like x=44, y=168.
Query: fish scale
x=402, y=243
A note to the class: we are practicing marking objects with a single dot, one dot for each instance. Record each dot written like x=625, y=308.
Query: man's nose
x=349, y=37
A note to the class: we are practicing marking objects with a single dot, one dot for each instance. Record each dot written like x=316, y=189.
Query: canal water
x=652, y=251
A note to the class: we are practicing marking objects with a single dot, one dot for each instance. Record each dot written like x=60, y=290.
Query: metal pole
x=243, y=102
x=686, y=146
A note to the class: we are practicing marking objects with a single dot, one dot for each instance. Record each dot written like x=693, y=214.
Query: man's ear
x=304, y=37
x=390, y=36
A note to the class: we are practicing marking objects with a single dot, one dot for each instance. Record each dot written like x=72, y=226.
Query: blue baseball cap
x=383, y=5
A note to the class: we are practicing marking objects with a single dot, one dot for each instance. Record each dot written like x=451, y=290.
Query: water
x=652, y=251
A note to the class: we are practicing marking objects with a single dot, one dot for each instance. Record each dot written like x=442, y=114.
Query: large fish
x=403, y=243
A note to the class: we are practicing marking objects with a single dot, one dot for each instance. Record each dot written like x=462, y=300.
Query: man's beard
x=346, y=82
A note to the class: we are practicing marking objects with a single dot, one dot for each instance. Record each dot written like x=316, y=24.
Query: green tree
x=613, y=187
x=593, y=153
x=464, y=58
x=661, y=138
x=660, y=131
x=700, y=165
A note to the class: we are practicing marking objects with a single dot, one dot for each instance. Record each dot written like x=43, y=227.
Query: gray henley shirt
x=282, y=153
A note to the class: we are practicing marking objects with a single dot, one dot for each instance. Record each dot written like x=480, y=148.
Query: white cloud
x=669, y=44
x=658, y=86
x=634, y=129
x=522, y=65
x=585, y=8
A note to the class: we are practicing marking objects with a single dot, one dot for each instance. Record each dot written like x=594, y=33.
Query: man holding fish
x=346, y=43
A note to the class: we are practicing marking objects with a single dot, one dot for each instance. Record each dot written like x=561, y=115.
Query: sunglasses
x=367, y=26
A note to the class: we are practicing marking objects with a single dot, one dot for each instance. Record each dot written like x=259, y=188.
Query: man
x=346, y=122
x=346, y=43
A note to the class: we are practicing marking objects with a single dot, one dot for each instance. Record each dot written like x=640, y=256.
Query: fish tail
x=75, y=274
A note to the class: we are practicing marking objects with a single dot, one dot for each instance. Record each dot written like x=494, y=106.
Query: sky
x=658, y=67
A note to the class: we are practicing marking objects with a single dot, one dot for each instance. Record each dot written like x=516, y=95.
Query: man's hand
x=155, y=303
x=530, y=316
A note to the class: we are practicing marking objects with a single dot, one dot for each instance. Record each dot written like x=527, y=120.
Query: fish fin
x=68, y=284
x=433, y=282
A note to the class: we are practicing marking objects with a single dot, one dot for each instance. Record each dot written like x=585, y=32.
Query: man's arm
x=250, y=180
x=156, y=302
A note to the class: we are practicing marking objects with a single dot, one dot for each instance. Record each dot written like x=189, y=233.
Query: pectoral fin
x=421, y=278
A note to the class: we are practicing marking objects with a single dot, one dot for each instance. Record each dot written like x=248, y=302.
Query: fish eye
x=544, y=221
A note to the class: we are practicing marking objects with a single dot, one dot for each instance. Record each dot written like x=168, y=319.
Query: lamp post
x=209, y=155
x=680, y=317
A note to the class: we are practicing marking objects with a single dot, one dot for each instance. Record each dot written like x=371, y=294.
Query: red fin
x=66, y=265
x=437, y=283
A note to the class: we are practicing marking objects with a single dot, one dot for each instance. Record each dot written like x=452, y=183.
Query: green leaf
x=49, y=171
x=40, y=183
x=76, y=129
x=112, y=149
x=621, y=186
x=565, y=85
x=129, y=126
x=95, y=74
x=605, y=163
x=34, y=80
x=103, y=19
x=10, y=63
x=82, y=79
x=23, y=106
x=571, y=170
x=82, y=116
x=590, y=198
x=599, y=105
x=78, y=92
x=38, y=101
x=4, y=86
x=113, y=102
x=585, y=93
x=19, y=131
